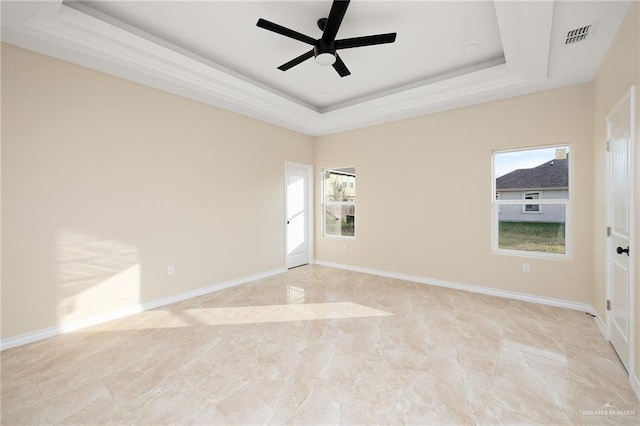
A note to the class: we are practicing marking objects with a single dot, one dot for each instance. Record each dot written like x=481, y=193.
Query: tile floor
x=323, y=346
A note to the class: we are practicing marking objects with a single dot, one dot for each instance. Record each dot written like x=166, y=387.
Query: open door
x=620, y=207
x=298, y=221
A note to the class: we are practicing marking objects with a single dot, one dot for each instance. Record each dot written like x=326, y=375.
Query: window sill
x=532, y=254
x=340, y=237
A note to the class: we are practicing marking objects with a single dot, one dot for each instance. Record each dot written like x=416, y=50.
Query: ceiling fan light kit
x=325, y=48
x=325, y=59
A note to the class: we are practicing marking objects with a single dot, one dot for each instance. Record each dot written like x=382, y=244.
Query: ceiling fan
x=325, y=48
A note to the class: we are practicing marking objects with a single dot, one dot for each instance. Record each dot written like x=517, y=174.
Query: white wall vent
x=580, y=34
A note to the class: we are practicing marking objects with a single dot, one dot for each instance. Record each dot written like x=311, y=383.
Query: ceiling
x=447, y=54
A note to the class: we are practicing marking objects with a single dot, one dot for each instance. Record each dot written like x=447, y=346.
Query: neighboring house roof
x=552, y=174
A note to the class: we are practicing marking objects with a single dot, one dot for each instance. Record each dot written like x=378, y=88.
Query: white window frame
x=326, y=203
x=496, y=206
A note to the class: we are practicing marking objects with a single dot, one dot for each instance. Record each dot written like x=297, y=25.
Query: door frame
x=630, y=95
x=309, y=222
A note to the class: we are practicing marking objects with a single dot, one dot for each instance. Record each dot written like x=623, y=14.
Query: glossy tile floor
x=323, y=346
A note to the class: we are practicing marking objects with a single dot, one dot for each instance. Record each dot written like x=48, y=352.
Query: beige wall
x=618, y=72
x=106, y=182
x=425, y=192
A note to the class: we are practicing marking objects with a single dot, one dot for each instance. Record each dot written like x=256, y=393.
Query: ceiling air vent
x=580, y=34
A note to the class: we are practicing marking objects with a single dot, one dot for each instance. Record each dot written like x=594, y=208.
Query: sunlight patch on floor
x=282, y=313
x=236, y=315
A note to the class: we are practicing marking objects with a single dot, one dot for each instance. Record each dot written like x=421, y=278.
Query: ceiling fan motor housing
x=324, y=53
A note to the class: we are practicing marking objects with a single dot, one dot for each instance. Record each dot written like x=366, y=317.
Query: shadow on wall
x=95, y=276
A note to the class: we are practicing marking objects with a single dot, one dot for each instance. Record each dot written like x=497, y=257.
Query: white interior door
x=620, y=219
x=298, y=214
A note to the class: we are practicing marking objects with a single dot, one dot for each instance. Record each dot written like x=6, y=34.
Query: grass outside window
x=532, y=236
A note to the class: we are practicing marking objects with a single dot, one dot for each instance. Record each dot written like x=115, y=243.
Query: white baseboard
x=210, y=289
x=635, y=385
x=601, y=326
x=584, y=307
x=46, y=333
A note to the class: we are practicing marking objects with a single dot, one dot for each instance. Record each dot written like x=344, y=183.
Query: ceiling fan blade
x=292, y=63
x=339, y=66
x=338, y=9
x=371, y=40
x=268, y=25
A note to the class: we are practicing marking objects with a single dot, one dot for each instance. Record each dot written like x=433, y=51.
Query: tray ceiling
x=446, y=55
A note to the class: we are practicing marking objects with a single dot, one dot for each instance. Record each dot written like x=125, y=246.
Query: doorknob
x=620, y=250
x=287, y=222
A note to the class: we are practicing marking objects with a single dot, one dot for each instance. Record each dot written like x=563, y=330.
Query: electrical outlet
x=171, y=270
x=526, y=267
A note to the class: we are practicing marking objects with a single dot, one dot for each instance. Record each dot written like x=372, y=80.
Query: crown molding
x=55, y=29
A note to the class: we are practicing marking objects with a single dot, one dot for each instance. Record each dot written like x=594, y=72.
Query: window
x=531, y=207
x=339, y=201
